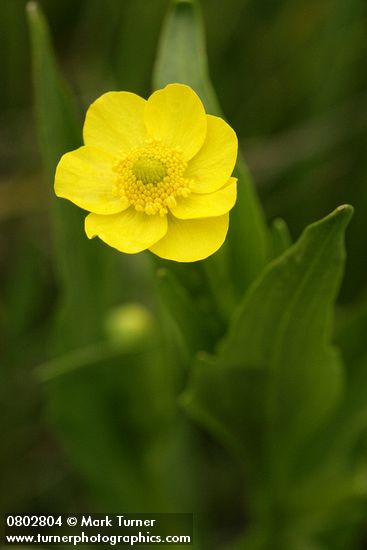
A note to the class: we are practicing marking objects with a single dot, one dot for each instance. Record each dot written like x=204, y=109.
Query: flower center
x=149, y=170
x=152, y=177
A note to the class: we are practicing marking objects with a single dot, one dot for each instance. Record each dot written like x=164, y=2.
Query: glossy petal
x=115, y=122
x=211, y=168
x=130, y=231
x=209, y=205
x=192, y=240
x=177, y=117
x=85, y=177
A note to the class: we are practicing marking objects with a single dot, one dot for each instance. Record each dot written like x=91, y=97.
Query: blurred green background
x=291, y=79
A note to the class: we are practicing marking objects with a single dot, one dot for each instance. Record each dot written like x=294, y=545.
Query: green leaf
x=279, y=238
x=182, y=310
x=349, y=423
x=277, y=378
x=191, y=311
x=182, y=58
x=351, y=333
x=85, y=268
x=103, y=427
x=247, y=238
x=120, y=450
x=58, y=124
x=230, y=403
x=182, y=55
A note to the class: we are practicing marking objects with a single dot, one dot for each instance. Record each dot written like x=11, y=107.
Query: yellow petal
x=209, y=205
x=115, y=122
x=192, y=240
x=130, y=231
x=177, y=117
x=211, y=168
x=85, y=177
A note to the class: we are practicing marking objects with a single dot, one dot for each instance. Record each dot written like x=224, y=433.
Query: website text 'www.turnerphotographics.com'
x=111, y=529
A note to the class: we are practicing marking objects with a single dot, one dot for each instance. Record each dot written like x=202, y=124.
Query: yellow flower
x=154, y=174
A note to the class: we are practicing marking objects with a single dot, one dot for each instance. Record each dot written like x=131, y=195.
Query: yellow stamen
x=152, y=177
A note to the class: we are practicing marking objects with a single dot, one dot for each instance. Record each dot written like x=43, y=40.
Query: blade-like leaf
x=58, y=125
x=182, y=58
x=84, y=267
x=181, y=308
x=280, y=238
x=276, y=364
x=350, y=421
x=182, y=53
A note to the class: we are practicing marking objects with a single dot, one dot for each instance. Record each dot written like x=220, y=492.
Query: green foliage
x=289, y=310
x=96, y=380
x=105, y=423
x=236, y=401
x=280, y=238
x=57, y=122
x=87, y=270
x=182, y=53
x=182, y=58
x=277, y=358
x=281, y=333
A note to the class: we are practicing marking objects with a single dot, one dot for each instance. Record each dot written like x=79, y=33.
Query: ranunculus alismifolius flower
x=154, y=174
